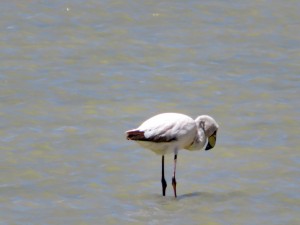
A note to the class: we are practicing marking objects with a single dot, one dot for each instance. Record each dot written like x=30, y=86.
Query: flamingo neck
x=199, y=140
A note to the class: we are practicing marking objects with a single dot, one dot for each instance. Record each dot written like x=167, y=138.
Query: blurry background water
x=74, y=75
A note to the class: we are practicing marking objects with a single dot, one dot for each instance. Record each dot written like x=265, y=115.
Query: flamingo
x=170, y=132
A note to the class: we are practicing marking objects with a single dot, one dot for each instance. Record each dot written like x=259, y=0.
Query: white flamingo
x=169, y=132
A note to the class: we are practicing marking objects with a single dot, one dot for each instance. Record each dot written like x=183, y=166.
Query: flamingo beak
x=211, y=141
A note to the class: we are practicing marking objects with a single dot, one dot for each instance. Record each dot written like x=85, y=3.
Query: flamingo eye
x=202, y=124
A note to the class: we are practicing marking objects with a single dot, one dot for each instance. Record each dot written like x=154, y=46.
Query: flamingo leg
x=173, y=178
x=163, y=180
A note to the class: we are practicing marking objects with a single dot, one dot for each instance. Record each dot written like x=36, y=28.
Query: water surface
x=75, y=75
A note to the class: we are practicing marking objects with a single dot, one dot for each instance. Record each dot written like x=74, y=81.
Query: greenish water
x=74, y=76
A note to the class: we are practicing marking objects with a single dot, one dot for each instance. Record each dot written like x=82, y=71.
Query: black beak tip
x=208, y=147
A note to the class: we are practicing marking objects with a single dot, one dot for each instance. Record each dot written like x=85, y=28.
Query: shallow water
x=74, y=76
